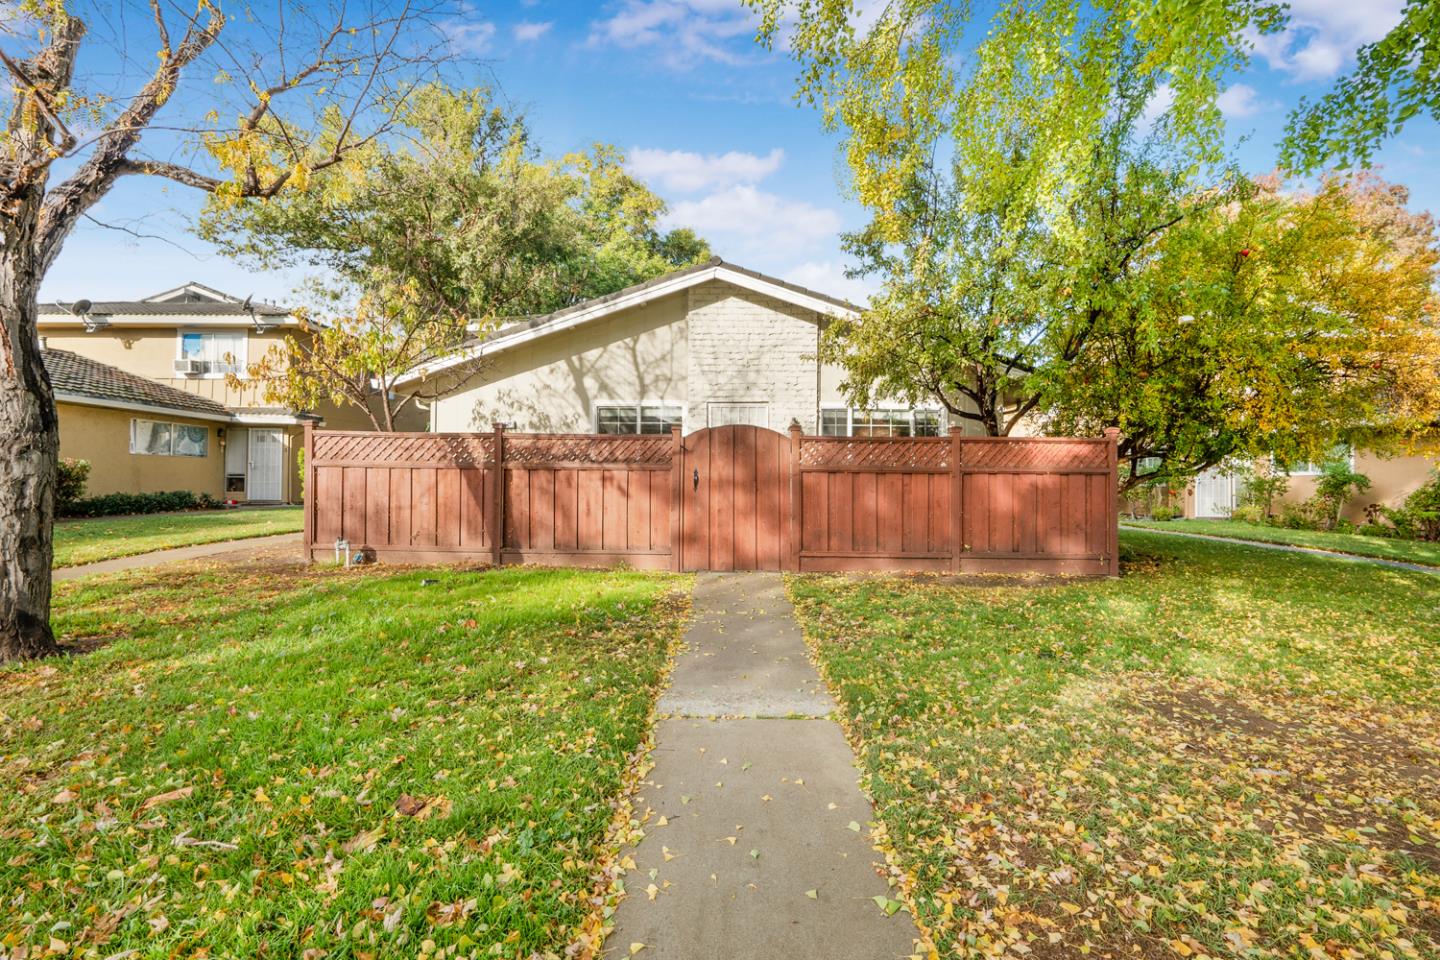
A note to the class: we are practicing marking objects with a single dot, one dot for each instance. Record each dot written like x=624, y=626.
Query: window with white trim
x=848, y=422
x=1340, y=453
x=161, y=438
x=641, y=418
x=218, y=352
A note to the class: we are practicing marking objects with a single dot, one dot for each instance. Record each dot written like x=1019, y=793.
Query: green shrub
x=70, y=478
x=1261, y=485
x=1337, y=483
x=1419, y=517
x=115, y=504
x=1166, y=513
x=1249, y=513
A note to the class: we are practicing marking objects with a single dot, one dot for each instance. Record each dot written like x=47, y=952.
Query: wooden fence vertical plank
x=772, y=489
x=377, y=507
x=745, y=485
x=915, y=506
x=798, y=525
x=890, y=510
x=614, y=527
x=401, y=532
x=942, y=524
x=567, y=510
x=637, y=510
x=473, y=507
x=447, y=507
x=590, y=513
x=542, y=510
x=663, y=518
x=1050, y=514
x=677, y=475
x=957, y=501
x=307, y=495
x=352, y=523
x=863, y=524
x=497, y=509
x=518, y=515
x=1026, y=517
x=422, y=507
x=722, y=499
x=1111, y=516
x=842, y=512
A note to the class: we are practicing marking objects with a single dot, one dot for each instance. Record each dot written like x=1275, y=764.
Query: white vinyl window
x=1340, y=453
x=651, y=418
x=162, y=439
x=217, y=353
x=844, y=422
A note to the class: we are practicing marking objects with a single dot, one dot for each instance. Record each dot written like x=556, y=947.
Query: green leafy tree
x=432, y=237
x=1395, y=79
x=250, y=127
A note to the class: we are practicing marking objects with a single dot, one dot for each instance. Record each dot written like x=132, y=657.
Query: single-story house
x=705, y=346
x=1216, y=493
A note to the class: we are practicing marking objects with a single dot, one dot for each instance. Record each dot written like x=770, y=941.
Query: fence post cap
x=956, y=431
x=498, y=426
x=795, y=425
x=1112, y=433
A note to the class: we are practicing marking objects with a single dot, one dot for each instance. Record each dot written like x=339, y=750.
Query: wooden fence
x=728, y=498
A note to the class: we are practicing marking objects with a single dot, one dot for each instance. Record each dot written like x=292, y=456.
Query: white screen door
x=754, y=414
x=267, y=460
x=1214, y=494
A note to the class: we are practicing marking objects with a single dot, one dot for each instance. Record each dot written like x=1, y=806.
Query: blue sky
x=709, y=121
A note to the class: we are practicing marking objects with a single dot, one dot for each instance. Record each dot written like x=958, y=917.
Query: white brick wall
x=748, y=347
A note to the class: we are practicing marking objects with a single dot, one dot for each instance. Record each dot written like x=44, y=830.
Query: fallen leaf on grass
x=160, y=798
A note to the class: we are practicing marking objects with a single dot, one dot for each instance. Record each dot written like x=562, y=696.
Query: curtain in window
x=191, y=441
x=150, y=436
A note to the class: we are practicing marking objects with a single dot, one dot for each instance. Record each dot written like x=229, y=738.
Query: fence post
x=957, y=504
x=307, y=493
x=677, y=490
x=1112, y=501
x=497, y=532
x=792, y=522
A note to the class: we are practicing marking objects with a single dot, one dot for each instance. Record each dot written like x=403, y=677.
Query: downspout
x=819, y=319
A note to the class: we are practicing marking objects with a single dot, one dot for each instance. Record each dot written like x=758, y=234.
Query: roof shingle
x=81, y=376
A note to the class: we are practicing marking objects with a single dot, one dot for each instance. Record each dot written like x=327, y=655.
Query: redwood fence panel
x=728, y=498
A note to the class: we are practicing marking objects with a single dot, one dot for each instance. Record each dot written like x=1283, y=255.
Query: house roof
x=530, y=328
x=188, y=300
x=81, y=379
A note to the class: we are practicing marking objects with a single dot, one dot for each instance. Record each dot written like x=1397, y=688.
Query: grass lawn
x=1225, y=753
x=1411, y=551
x=103, y=538
x=289, y=762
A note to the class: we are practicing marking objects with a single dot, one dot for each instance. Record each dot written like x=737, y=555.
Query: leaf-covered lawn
x=104, y=538
x=1410, y=551
x=1226, y=753
x=317, y=763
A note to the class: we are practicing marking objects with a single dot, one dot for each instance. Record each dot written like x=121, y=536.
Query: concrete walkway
x=246, y=547
x=756, y=843
x=1290, y=548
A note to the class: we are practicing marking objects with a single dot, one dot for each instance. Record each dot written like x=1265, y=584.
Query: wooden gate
x=733, y=508
x=728, y=498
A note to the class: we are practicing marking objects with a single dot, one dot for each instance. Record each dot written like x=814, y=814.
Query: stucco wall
x=102, y=436
x=151, y=352
x=552, y=384
x=1392, y=479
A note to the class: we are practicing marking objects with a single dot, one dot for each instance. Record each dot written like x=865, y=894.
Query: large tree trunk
x=30, y=440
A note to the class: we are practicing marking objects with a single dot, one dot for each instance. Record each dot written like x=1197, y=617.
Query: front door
x=734, y=481
x=267, y=461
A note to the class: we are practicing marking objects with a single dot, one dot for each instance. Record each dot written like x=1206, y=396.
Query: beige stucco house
x=143, y=394
x=1215, y=493
x=705, y=346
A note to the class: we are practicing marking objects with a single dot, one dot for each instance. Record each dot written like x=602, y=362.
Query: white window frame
x=242, y=359
x=172, y=424
x=762, y=404
x=1307, y=469
x=851, y=411
x=639, y=414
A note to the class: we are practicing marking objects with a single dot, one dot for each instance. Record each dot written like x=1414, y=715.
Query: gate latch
x=697, y=478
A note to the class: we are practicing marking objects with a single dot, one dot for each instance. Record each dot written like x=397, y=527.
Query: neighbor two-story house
x=144, y=394
x=705, y=346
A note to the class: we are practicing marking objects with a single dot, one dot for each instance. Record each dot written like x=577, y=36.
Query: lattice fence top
x=379, y=449
x=521, y=449
x=878, y=452
x=1050, y=455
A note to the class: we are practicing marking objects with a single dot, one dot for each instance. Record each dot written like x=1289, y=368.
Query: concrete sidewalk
x=755, y=845
x=242, y=548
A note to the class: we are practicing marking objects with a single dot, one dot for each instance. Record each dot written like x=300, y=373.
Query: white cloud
x=828, y=277
x=1323, y=35
x=526, y=31
x=755, y=223
x=1242, y=100
x=686, y=172
x=684, y=31
x=1160, y=101
x=468, y=36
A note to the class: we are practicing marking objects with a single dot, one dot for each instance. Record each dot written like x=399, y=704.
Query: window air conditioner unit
x=189, y=368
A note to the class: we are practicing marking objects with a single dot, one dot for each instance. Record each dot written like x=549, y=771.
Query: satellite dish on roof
x=246, y=304
x=81, y=307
